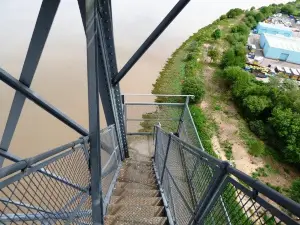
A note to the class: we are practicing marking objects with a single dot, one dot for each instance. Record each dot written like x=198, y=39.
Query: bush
x=213, y=53
x=193, y=86
x=216, y=34
x=203, y=129
x=256, y=148
x=295, y=190
x=258, y=127
x=259, y=17
x=235, y=56
x=241, y=28
x=223, y=17
x=232, y=13
x=287, y=9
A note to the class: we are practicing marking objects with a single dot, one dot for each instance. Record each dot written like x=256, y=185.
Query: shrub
x=256, y=148
x=295, y=190
x=223, y=17
x=203, y=128
x=235, y=56
x=259, y=17
x=214, y=54
x=216, y=34
x=232, y=13
x=258, y=127
x=193, y=86
x=241, y=28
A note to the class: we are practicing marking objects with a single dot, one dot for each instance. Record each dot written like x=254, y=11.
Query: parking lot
x=254, y=39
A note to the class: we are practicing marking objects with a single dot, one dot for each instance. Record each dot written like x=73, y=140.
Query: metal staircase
x=101, y=177
x=136, y=198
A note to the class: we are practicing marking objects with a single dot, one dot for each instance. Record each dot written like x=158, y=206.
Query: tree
x=217, y=34
x=235, y=56
x=287, y=9
x=193, y=86
x=223, y=17
x=266, y=11
x=232, y=13
x=257, y=104
x=286, y=124
x=241, y=28
x=259, y=17
x=214, y=54
x=252, y=8
x=295, y=190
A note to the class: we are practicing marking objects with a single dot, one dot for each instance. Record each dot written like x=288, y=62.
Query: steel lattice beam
x=94, y=115
x=150, y=40
x=41, y=30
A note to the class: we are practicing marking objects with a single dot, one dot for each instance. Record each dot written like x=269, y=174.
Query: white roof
x=295, y=71
x=275, y=26
x=287, y=70
x=282, y=42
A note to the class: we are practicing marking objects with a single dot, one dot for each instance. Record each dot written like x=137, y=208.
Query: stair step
x=134, y=161
x=135, y=192
x=129, y=174
x=129, y=200
x=134, y=185
x=124, y=220
x=135, y=211
x=137, y=166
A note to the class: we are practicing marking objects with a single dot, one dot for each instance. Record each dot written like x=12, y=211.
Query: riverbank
x=220, y=125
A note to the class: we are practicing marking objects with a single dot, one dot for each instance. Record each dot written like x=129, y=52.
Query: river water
x=61, y=74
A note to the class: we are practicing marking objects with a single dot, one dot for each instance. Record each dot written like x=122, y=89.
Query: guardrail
x=54, y=187
x=141, y=116
x=200, y=189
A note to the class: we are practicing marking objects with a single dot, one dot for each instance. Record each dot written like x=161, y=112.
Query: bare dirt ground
x=228, y=131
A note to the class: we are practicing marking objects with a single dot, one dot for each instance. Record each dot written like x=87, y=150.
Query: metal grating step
x=133, y=185
x=137, y=177
x=131, y=160
x=124, y=220
x=135, y=211
x=136, y=192
x=129, y=200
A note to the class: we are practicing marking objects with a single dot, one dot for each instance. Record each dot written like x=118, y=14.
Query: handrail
x=217, y=184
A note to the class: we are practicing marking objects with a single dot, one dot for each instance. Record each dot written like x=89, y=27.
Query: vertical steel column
x=41, y=30
x=106, y=15
x=212, y=194
x=94, y=116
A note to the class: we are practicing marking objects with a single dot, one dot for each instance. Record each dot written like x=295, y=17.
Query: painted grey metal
x=166, y=204
x=158, y=95
x=186, y=105
x=154, y=103
x=110, y=189
x=166, y=157
x=41, y=30
x=18, y=86
x=105, y=13
x=149, y=41
x=94, y=115
x=212, y=194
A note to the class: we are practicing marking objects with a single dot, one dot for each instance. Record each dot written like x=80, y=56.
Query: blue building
x=281, y=47
x=263, y=28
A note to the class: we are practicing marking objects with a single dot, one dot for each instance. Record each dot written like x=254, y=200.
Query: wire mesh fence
x=200, y=189
x=54, y=187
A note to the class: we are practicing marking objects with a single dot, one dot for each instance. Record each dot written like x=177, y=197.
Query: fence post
x=189, y=180
x=166, y=157
x=182, y=115
x=212, y=194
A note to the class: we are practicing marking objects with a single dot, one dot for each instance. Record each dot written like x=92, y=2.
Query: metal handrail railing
x=225, y=194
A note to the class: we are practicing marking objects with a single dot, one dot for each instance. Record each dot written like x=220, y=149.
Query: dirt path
x=228, y=132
